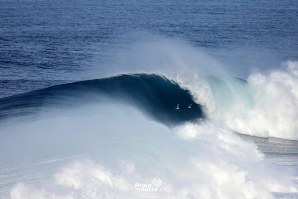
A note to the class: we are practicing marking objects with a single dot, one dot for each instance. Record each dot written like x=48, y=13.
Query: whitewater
x=121, y=136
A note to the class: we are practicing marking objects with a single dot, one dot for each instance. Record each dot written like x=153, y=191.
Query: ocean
x=148, y=99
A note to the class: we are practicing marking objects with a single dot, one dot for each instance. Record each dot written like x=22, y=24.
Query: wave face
x=156, y=95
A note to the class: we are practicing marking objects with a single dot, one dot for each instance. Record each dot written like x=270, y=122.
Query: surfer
x=177, y=107
x=189, y=106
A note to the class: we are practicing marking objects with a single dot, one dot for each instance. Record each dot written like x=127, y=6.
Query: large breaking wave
x=123, y=136
x=262, y=105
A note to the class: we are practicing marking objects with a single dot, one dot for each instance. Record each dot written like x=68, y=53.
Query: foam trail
x=133, y=157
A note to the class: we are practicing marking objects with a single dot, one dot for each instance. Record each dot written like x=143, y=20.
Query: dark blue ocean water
x=45, y=43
